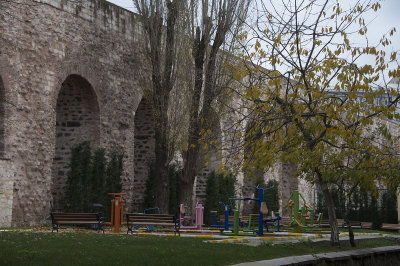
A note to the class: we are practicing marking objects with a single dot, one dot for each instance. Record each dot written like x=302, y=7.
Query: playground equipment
x=262, y=210
x=236, y=221
x=199, y=217
x=226, y=224
x=117, y=210
x=275, y=218
x=298, y=216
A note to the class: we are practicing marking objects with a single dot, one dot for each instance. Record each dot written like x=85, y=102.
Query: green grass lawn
x=30, y=248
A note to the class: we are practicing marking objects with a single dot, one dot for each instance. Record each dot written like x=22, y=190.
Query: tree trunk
x=346, y=217
x=189, y=173
x=161, y=152
x=192, y=153
x=331, y=213
x=187, y=196
x=351, y=233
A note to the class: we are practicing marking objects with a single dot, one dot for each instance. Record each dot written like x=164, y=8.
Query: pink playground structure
x=199, y=217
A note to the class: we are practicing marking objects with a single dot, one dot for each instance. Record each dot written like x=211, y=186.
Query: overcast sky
x=379, y=23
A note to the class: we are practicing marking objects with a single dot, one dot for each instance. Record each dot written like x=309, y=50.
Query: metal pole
x=226, y=217
x=117, y=213
x=260, y=216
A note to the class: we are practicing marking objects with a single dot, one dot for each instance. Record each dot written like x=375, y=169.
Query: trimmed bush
x=220, y=187
x=366, y=207
x=91, y=177
x=174, y=186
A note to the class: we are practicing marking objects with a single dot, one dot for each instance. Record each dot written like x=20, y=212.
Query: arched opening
x=144, y=145
x=2, y=118
x=77, y=120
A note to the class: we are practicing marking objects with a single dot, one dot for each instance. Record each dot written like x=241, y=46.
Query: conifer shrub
x=174, y=182
x=150, y=194
x=91, y=177
x=174, y=187
x=365, y=207
x=220, y=187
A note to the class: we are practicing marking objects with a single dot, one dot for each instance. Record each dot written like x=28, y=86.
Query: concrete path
x=332, y=257
x=255, y=241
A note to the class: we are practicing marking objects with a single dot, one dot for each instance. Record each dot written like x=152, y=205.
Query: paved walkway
x=276, y=240
x=325, y=257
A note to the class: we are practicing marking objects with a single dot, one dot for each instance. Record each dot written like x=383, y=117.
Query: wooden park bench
x=341, y=223
x=243, y=219
x=232, y=219
x=354, y=224
x=65, y=218
x=391, y=226
x=137, y=220
x=285, y=221
x=325, y=223
x=366, y=225
x=268, y=221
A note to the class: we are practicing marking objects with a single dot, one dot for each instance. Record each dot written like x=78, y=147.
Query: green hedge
x=91, y=177
x=365, y=206
x=220, y=187
x=174, y=186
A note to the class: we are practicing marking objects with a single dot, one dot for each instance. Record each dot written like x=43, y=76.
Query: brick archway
x=77, y=120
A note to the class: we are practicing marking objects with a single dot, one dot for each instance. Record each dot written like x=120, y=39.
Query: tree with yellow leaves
x=314, y=104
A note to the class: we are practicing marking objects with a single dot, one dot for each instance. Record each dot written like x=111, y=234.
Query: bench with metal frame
x=149, y=221
x=65, y=218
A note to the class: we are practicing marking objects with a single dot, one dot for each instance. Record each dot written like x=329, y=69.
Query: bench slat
x=75, y=222
x=155, y=223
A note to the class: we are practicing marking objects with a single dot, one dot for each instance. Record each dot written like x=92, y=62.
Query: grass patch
x=28, y=248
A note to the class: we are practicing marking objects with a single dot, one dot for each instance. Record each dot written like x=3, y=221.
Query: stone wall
x=287, y=184
x=77, y=120
x=2, y=117
x=73, y=71
x=211, y=161
x=6, y=192
x=91, y=39
x=213, y=164
x=144, y=151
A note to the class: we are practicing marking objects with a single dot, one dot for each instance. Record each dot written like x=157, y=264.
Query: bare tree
x=185, y=41
x=213, y=23
x=159, y=20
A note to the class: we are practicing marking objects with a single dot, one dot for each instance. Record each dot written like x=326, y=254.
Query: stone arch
x=77, y=120
x=2, y=118
x=144, y=144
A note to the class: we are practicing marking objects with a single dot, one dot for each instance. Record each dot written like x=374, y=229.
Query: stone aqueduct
x=70, y=71
x=68, y=74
